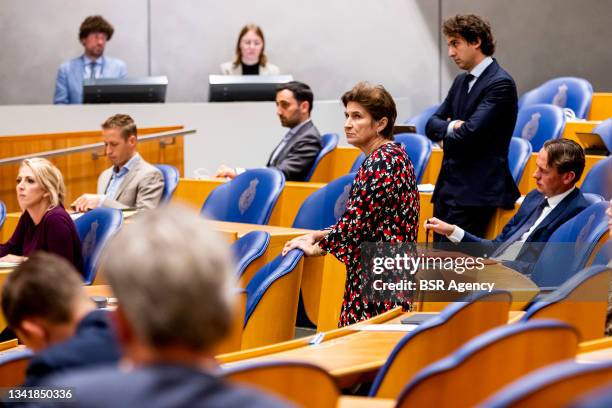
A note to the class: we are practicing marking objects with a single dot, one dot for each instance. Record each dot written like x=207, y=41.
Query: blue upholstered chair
x=557, y=385
x=604, y=255
x=599, y=179
x=564, y=92
x=2, y=213
x=457, y=323
x=420, y=120
x=538, y=123
x=329, y=141
x=518, y=157
x=604, y=130
x=418, y=148
x=303, y=384
x=273, y=291
x=249, y=248
x=592, y=198
x=582, y=301
x=95, y=229
x=249, y=198
x=570, y=247
x=171, y=179
x=13, y=365
x=326, y=205
x=489, y=362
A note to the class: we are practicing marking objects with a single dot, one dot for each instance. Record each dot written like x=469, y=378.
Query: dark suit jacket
x=528, y=255
x=475, y=168
x=93, y=343
x=157, y=386
x=298, y=155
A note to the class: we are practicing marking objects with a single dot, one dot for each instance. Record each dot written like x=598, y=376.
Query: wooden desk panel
x=601, y=106
x=335, y=164
x=80, y=170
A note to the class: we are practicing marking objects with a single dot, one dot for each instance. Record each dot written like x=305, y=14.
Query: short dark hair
x=96, y=24
x=124, y=123
x=472, y=28
x=565, y=155
x=301, y=92
x=377, y=101
x=45, y=286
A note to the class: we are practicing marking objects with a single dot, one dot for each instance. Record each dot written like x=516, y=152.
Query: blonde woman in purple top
x=44, y=225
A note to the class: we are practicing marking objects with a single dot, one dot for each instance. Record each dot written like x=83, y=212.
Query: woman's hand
x=439, y=226
x=307, y=243
x=13, y=258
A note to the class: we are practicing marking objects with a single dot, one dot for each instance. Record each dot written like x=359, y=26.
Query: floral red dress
x=383, y=206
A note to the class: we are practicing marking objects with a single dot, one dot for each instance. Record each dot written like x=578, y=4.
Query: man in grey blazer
x=131, y=182
x=297, y=151
x=94, y=32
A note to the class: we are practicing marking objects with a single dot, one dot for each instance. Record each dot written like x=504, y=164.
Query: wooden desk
x=601, y=106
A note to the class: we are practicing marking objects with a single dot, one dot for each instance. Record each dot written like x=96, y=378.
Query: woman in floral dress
x=383, y=206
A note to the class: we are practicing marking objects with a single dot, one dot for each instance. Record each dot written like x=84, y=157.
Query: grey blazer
x=141, y=188
x=298, y=155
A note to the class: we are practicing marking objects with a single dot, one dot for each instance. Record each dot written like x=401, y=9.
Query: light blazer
x=141, y=188
x=69, y=82
x=228, y=68
x=475, y=168
x=529, y=254
x=298, y=155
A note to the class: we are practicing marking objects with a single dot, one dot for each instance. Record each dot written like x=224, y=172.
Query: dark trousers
x=472, y=219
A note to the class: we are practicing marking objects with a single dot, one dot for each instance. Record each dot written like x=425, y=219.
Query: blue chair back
x=479, y=323
x=13, y=366
x=599, y=179
x=2, y=213
x=604, y=255
x=95, y=229
x=518, y=157
x=592, y=198
x=604, y=130
x=538, y=123
x=249, y=198
x=329, y=141
x=248, y=248
x=550, y=385
x=266, y=276
x=570, y=247
x=171, y=180
x=418, y=148
x=420, y=120
x=326, y=205
x=564, y=92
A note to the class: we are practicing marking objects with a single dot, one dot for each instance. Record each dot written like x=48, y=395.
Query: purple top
x=55, y=233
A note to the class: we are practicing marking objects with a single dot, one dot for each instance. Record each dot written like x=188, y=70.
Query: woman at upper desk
x=383, y=204
x=250, y=56
x=44, y=225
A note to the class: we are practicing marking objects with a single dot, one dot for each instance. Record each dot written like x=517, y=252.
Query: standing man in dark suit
x=45, y=304
x=555, y=200
x=173, y=278
x=474, y=124
x=297, y=151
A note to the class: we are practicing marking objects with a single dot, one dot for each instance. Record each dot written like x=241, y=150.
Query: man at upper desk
x=297, y=151
x=131, y=182
x=474, y=124
x=95, y=31
x=555, y=200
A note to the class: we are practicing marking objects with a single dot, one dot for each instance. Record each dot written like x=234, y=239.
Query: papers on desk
x=386, y=327
x=8, y=264
x=75, y=215
x=426, y=188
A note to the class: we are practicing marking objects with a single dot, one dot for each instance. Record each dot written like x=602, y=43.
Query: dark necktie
x=466, y=83
x=92, y=73
x=523, y=229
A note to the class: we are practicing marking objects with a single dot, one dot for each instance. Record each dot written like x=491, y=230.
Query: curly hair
x=96, y=24
x=472, y=28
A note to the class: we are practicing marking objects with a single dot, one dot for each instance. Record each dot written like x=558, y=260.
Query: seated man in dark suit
x=44, y=302
x=173, y=279
x=555, y=200
x=297, y=151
